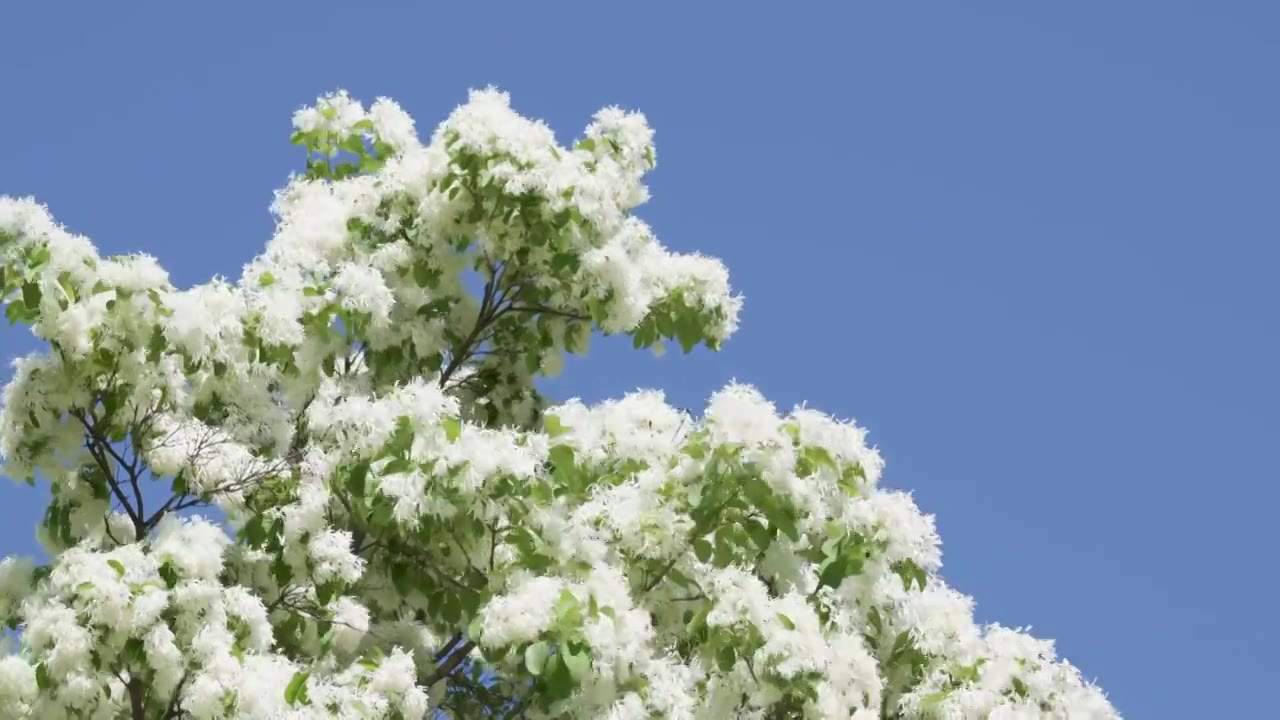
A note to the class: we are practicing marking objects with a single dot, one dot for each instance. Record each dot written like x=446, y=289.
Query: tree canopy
x=332, y=489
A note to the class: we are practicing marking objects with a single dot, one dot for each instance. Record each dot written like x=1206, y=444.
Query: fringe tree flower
x=412, y=529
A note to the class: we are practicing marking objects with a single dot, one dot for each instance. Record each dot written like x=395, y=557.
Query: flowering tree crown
x=332, y=489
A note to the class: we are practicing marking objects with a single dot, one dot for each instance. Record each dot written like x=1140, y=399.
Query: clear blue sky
x=1032, y=246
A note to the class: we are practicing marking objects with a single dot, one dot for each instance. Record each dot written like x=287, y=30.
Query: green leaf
x=849, y=476
x=266, y=279
x=179, y=484
x=901, y=645
x=782, y=520
x=834, y=572
x=15, y=312
x=353, y=144
x=831, y=548
x=666, y=324
x=599, y=310
x=759, y=534
x=757, y=491
x=568, y=610
x=1019, y=687
x=702, y=549
x=564, y=261
x=168, y=573
x=726, y=657
x=68, y=289
x=688, y=332
x=551, y=425
x=43, y=681
x=579, y=664
x=542, y=493
x=135, y=652
x=254, y=531
x=400, y=578
x=451, y=609
x=119, y=567
x=452, y=428
x=31, y=295
x=397, y=466
x=724, y=553
x=41, y=256
x=401, y=439
x=812, y=457
x=535, y=657
x=561, y=455
x=787, y=622
x=968, y=673
x=532, y=362
x=558, y=678
x=155, y=345
x=646, y=333
x=356, y=479
x=281, y=570
x=932, y=701
x=326, y=592
x=910, y=573
x=562, y=458
x=792, y=430
x=296, y=688
x=424, y=276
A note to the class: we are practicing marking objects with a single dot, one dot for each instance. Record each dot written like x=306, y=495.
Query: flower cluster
x=405, y=527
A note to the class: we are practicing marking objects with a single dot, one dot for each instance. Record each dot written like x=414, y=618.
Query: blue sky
x=1031, y=246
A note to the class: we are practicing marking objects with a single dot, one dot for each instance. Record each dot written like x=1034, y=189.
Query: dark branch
x=452, y=663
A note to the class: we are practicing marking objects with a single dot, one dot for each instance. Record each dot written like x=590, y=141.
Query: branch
x=484, y=695
x=697, y=532
x=172, y=710
x=493, y=304
x=449, y=646
x=519, y=706
x=466, y=556
x=91, y=444
x=137, y=699
x=548, y=311
x=182, y=501
x=452, y=663
x=357, y=533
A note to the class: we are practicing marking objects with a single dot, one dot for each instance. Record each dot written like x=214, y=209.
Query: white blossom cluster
x=413, y=530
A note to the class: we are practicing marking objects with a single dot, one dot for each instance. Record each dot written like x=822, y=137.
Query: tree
x=332, y=488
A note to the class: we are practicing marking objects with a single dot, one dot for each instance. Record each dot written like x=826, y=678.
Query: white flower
x=369, y=423
x=392, y=124
x=133, y=273
x=740, y=415
x=331, y=553
x=362, y=288
x=17, y=686
x=351, y=622
x=203, y=318
x=193, y=545
x=522, y=613
x=336, y=113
